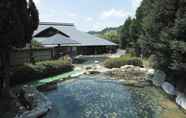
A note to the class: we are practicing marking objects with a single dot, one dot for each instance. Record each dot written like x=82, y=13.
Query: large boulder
x=133, y=68
x=127, y=66
x=129, y=72
x=96, y=61
x=150, y=72
x=168, y=88
x=181, y=100
x=39, y=102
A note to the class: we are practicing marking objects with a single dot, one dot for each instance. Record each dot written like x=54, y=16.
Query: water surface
x=97, y=96
x=89, y=97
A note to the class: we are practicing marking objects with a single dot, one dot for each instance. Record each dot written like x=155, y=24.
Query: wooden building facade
x=68, y=40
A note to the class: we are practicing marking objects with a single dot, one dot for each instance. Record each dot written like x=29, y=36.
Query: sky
x=87, y=15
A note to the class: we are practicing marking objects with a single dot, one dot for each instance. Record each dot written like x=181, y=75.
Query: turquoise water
x=89, y=97
x=87, y=61
x=97, y=96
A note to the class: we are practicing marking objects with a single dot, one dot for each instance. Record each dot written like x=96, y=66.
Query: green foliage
x=125, y=34
x=111, y=36
x=166, y=30
x=103, y=31
x=40, y=70
x=159, y=29
x=36, y=44
x=129, y=35
x=123, y=60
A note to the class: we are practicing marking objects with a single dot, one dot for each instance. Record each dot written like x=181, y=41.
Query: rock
x=98, y=66
x=181, y=100
x=86, y=73
x=40, y=102
x=96, y=62
x=93, y=72
x=143, y=69
x=129, y=72
x=151, y=71
x=102, y=69
x=107, y=72
x=77, y=68
x=113, y=69
x=127, y=67
x=88, y=68
x=158, y=78
x=75, y=75
x=168, y=88
x=150, y=74
x=133, y=68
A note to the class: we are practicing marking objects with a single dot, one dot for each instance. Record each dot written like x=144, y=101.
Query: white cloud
x=113, y=13
x=110, y=17
x=136, y=4
x=71, y=14
x=89, y=19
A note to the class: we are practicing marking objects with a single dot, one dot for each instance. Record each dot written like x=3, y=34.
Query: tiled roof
x=81, y=38
x=56, y=39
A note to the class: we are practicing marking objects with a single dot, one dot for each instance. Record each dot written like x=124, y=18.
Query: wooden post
x=58, y=51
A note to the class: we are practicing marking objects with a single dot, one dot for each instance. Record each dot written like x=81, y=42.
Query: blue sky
x=87, y=14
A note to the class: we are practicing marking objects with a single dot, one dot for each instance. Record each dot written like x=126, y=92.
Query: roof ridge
x=57, y=23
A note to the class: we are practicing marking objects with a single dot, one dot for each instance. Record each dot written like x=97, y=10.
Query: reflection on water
x=98, y=98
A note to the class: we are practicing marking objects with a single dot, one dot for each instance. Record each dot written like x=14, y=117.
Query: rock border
x=40, y=103
x=156, y=77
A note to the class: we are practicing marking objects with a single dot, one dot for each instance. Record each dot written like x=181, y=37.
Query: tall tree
x=159, y=28
x=18, y=20
x=163, y=24
x=125, y=34
x=111, y=36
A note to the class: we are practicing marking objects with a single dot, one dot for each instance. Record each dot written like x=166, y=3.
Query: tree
x=111, y=36
x=17, y=24
x=125, y=34
x=159, y=29
x=163, y=33
x=36, y=44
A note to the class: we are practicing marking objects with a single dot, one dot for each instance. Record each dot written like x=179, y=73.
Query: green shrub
x=123, y=60
x=40, y=70
x=131, y=51
x=135, y=62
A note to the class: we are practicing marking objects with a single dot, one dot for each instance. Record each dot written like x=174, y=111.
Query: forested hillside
x=159, y=29
x=111, y=34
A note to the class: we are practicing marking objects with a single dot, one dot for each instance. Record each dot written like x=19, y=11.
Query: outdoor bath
x=99, y=96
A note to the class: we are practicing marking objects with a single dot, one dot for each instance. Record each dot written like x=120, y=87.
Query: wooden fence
x=18, y=57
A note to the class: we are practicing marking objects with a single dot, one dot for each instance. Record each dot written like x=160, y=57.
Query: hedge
x=123, y=60
x=40, y=70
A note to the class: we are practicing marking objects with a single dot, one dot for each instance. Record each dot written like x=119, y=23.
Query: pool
x=98, y=96
x=89, y=97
